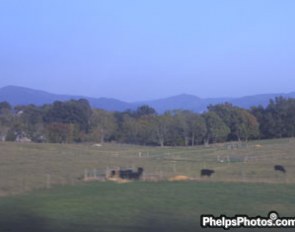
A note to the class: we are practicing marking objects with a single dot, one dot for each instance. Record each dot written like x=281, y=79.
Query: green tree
x=103, y=125
x=186, y=128
x=242, y=123
x=248, y=126
x=217, y=130
x=75, y=113
x=136, y=126
x=59, y=132
x=30, y=118
x=143, y=111
x=198, y=128
x=277, y=119
x=129, y=129
x=6, y=119
x=161, y=128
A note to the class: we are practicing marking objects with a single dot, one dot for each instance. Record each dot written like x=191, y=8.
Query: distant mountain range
x=23, y=96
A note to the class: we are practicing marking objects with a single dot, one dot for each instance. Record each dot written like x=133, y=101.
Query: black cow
x=138, y=174
x=207, y=172
x=130, y=174
x=279, y=168
x=113, y=173
x=125, y=174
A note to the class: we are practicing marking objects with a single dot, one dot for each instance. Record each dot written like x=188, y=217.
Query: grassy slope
x=161, y=206
x=25, y=167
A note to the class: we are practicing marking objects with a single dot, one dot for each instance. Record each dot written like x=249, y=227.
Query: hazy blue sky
x=146, y=49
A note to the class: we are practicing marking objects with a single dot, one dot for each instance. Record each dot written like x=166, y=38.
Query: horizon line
x=143, y=101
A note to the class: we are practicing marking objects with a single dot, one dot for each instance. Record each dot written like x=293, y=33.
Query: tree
x=242, y=123
x=5, y=119
x=73, y=111
x=102, y=124
x=180, y=126
x=216, y=128
x=161, y=127
x=144, y=110
x=31, y=119
x=5, y=108
x=129, y=130
x=136, y=126
x=76, y=113
x=277, y=119
x=248, y=126
x=198, y=128
x=186, y=128
x=145, y=129
x=60, y=132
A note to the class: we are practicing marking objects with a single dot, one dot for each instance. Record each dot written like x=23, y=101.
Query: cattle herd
x=209, y=172
x=130, y=174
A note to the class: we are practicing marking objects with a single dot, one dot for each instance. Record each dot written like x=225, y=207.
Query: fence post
x=85, y=174
x=107, y=173
x=94, y=173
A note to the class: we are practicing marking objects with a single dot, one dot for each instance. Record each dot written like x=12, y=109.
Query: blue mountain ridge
x=16, y=95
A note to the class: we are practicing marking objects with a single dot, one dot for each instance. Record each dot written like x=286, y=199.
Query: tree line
x=75, y=121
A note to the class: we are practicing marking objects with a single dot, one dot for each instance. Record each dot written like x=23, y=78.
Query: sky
x=136, y=50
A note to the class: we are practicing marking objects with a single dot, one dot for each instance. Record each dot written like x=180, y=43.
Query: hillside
x=23, y=96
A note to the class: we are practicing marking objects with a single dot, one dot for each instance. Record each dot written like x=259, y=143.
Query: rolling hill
x=23, y=96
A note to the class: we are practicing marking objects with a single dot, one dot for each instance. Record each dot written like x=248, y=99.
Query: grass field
x=25, y=167
x=244, y=183
x=141, y=206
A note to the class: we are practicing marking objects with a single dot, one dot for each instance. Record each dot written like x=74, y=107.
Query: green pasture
x=25, y=167
x=244, y=183
x=140, y=206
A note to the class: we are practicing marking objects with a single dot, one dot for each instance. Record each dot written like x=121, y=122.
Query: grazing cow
x=138, y=174
x=113, y=173
x=207, y=172
x=125, y=174
x=280, y=168
x=130, y=174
